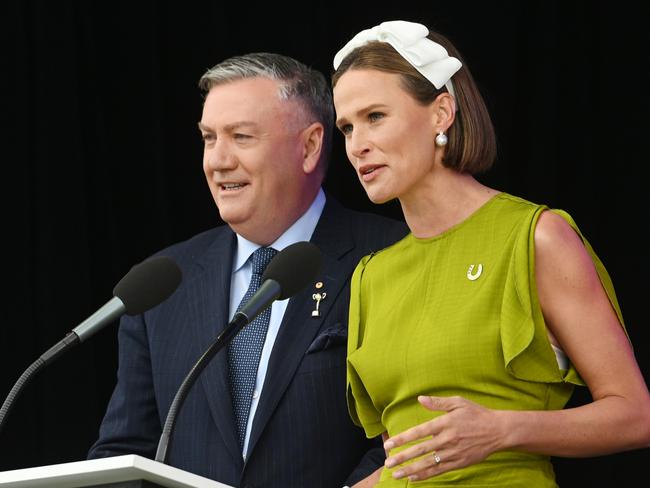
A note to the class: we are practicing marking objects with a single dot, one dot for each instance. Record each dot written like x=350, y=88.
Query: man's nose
x=218, y=157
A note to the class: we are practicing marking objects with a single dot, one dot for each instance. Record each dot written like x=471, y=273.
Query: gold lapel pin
x=317, y=297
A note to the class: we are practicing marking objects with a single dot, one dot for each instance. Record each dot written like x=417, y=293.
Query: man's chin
x=231, y=216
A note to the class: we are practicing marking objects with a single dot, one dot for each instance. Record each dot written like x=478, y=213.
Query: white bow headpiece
x=410, y=40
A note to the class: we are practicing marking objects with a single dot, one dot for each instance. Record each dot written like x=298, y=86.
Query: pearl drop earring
x=441, y=139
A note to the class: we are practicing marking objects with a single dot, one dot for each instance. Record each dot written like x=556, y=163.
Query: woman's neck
x=443, y=201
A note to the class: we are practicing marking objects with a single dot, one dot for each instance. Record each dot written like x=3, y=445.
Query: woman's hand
x=465, y=435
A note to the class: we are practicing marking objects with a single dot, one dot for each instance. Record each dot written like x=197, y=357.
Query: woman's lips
x=369, y=172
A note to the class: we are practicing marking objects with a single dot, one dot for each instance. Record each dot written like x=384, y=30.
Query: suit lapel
x=299, y=328
x=209, y=295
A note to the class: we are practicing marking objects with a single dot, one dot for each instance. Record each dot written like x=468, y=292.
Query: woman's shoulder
x=517, y=203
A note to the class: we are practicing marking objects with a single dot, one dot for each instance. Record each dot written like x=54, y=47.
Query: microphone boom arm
x=71, y=339
x=267, y=293
x=161, y=274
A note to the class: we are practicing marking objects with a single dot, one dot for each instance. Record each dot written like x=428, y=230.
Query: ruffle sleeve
x=527, y=351
x=360, y=406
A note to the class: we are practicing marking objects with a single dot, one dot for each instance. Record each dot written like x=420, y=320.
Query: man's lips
x=231, y=186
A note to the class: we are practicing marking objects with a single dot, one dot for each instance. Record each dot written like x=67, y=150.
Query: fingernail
x=398, y=474
x=389, y=445
x=390, y=463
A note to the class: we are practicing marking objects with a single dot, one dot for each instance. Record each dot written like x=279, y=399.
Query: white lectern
x=128, y=471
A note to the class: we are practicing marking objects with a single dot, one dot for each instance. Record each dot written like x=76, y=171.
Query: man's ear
x=312, y=138
x=443, y=112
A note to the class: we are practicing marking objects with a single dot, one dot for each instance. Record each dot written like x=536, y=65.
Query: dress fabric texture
x=458, y=314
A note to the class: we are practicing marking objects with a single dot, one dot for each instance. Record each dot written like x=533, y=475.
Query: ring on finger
x=436, y=458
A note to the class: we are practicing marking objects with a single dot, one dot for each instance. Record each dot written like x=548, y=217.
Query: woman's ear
x=312, y=138
x=444, y=112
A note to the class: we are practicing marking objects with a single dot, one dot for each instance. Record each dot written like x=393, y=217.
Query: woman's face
x=389, y=136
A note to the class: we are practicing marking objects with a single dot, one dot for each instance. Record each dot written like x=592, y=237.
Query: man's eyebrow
x=230, y=127
x=240, y=125
x=203, y=127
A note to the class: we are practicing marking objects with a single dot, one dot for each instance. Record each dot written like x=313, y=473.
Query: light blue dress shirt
x=301, y=230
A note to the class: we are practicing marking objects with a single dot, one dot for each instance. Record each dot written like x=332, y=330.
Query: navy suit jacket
x=302, y=435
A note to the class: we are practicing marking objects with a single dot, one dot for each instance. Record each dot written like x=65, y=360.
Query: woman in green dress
x=467, y=337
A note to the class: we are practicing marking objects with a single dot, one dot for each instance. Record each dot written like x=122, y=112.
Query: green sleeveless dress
x=458, y=314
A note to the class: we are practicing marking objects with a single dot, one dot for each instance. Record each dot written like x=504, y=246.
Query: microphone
x=145, y=285
x=288, y=272
x=281, y=279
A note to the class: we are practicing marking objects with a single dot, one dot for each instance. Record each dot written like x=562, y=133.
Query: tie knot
x=261, y=259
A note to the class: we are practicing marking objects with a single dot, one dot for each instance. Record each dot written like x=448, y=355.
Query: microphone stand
x=280, y=280
x=269, y=291
x=109, y=312
x=160, y=273
x=71, y=339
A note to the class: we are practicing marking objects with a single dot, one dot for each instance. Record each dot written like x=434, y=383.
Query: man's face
x=253, y=157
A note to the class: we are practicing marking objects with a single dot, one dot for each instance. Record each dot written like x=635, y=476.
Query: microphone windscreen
x=294, y=267
x=147, y=284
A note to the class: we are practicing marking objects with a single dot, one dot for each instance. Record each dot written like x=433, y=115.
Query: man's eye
x=241, y=137
x=207, y=138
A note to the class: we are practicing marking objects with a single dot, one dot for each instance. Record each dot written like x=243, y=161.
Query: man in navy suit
x=267, y=127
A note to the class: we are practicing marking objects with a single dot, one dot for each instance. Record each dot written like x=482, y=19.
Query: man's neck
x=299, y=229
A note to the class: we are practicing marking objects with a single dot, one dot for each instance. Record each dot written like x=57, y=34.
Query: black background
x=101, y=162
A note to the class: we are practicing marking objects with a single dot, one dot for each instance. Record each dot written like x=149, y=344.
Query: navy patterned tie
x=246, y=347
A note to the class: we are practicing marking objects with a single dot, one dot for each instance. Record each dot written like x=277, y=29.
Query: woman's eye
x=375, y=116
x=346, y=129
